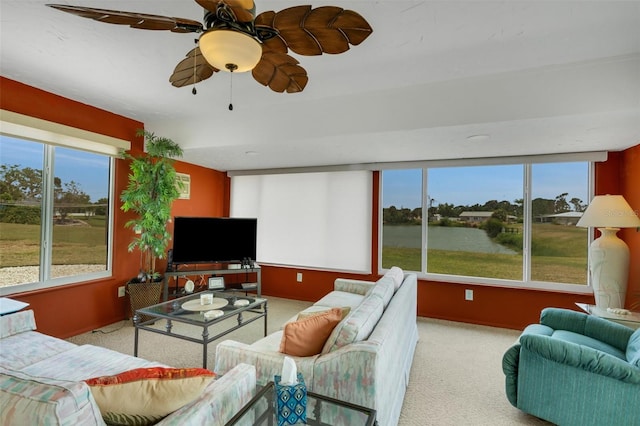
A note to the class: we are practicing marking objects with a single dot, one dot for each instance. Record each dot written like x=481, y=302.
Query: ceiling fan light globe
x=222, y=48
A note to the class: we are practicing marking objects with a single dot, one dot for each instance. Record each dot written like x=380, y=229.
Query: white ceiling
x=536, y=77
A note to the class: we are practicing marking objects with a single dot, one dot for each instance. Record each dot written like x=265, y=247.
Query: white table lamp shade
x=609, y=211
x=609, y=255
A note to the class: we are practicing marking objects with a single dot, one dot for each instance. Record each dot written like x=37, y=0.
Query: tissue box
x=291, y=402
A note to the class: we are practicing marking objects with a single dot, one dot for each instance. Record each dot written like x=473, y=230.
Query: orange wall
x=629, y=176
x=91, y=305
x=72, y=309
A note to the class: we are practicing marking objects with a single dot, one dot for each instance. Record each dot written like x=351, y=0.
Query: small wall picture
x=216, y=283
x=183, y=183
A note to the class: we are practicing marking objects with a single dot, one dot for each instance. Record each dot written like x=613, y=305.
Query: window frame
x=51, y=135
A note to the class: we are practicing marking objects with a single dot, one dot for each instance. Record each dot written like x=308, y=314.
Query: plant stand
x=142, y=295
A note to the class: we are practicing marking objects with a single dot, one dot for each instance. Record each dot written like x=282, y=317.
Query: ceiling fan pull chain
x=194, y=91
x=230, y=87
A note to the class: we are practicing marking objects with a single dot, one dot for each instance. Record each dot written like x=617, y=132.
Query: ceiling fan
x=234, y=39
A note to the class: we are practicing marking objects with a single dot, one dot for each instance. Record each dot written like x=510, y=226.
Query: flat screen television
x=213, y=239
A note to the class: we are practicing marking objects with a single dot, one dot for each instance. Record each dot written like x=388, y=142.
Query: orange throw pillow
x=302, y=315
x=307, y=336
x=145, y=395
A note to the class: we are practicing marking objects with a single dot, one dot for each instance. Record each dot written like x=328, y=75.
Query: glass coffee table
x=321, y=411
x=221, y=312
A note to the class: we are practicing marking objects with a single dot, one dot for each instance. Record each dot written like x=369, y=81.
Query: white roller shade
x=318, y=220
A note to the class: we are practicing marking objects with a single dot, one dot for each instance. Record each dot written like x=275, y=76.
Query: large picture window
x=55, y=204
x=488, y=223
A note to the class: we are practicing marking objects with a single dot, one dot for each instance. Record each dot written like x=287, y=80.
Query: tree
x=542, y=206
x=493, y=227
x=560, y=204
x=21, y=192
x=447, y=210
x=500, y=214
x=395, y=216
x=578, y=205
x=71, y=199
x=491, y=205
x=20, y=184
x=519, y=207
x=101, y=206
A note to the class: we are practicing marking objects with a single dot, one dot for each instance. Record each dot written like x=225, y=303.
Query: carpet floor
x=456, y=376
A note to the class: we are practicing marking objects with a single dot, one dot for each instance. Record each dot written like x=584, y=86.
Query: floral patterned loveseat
x=367, y=358
x=42, y=381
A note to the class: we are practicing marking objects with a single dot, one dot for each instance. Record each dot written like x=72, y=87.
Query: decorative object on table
x=215, y=313
x=197, y=305
x=150, y=194
x=291, y=395
x=206, y=299
x=189, y=286
x=608, y=254
x=216, y=283
x=618, y=311
x=241, y=302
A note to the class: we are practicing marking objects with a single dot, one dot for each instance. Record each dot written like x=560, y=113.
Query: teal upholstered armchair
x=575, y=369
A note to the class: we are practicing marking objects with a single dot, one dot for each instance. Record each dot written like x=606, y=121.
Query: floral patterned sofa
x=44, y=381
x=366, y=359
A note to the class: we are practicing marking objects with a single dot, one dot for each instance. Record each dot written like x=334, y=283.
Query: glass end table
x=321, y=411
x=630, y=319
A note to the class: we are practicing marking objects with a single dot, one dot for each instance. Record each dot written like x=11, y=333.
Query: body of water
x=443, y=238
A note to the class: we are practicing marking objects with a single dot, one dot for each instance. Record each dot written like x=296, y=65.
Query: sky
x=401, y=188
x=90, y=171
x=477, y=185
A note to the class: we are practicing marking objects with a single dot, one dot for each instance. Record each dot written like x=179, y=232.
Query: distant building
x=475, y=217
x=435, y=217
x=567, y=218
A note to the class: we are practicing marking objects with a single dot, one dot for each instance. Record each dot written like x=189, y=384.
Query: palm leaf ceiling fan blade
x=280, y=72
x=140, y=21
x=193, y=69
x=326, y=29
x=302, y=29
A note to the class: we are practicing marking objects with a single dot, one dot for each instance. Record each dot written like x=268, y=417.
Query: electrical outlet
x=468, y=294
x=299, y=277
x=121, y=291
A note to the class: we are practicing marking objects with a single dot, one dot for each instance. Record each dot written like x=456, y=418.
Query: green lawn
x=559, y=254
x=19, y=244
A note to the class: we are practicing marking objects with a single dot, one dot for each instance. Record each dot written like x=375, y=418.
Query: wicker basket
x=142, y=295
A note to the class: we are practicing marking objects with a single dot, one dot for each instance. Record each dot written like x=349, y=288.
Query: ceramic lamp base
x=609, y=267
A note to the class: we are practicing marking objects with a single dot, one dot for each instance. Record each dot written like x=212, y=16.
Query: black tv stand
x=223, y=269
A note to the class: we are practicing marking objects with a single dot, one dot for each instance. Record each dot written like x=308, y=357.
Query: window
x=481, y=223
x=476, y=221
x=559, y=249
x=55, y=209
